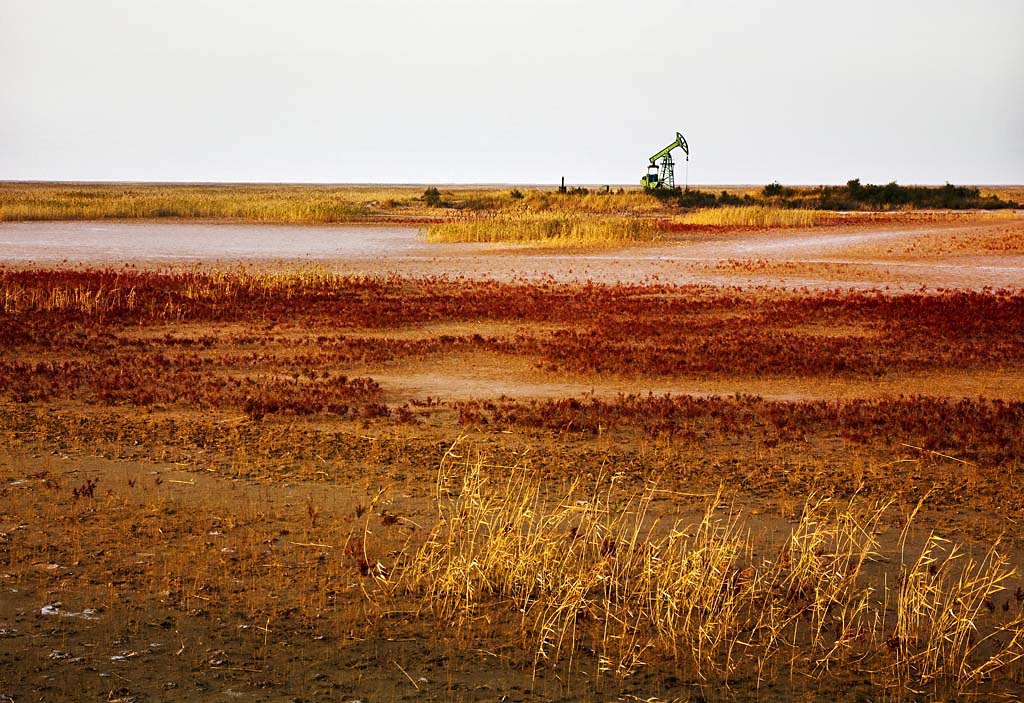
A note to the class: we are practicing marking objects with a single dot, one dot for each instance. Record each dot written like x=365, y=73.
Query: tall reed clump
x=620, y=202
x=940, y=599
x=271, y=204
x=758, y=216
x=594, y=579
x=549, y=229
x=100, y=292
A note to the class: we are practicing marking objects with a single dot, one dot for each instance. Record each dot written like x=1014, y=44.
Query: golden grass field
x=536, y=216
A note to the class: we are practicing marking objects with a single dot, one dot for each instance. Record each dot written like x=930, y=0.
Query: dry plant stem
x=552, y=229
x=595, y=571
x=757, y=216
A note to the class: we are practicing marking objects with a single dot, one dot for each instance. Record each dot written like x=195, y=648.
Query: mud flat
x=956, y=254
x=231, y=470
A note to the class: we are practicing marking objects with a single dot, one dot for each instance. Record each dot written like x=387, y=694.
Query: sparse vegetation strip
x=270, y=350
x=631, y=330
x=758, y=216
x=547, y=229
x=537, y=214
x=594, y=580
x=970, y=428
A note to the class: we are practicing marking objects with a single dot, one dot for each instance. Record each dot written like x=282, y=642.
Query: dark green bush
x=852, y=196
x=696, y=198
x=777, y=190
x=432, y=197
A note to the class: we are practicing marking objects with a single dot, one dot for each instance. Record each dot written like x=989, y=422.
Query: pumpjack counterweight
x=663, y=175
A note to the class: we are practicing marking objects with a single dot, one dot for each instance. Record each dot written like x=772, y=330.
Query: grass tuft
x=549, y=229
x=757, y=216
x=595, y=571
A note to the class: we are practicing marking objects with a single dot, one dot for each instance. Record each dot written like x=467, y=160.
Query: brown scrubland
x=296, y=484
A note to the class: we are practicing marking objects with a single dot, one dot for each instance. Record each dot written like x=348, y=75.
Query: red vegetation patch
x=970, y=428
x=639, y=330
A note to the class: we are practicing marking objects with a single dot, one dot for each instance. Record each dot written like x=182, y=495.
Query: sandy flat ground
x=213, y=562
x=479, y=377
x=975, y=253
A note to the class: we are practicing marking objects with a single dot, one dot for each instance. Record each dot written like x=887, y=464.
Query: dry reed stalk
x=941, y=598
x=278, y=204
x=548, y=229
x=595, y=571
x=758, y=216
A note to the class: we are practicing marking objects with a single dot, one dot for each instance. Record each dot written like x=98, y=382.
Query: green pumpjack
x=662, y=175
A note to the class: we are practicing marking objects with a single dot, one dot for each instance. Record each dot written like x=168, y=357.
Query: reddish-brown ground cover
x=261, y=459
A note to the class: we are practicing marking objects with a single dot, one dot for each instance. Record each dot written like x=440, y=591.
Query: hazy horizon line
x=459, y=184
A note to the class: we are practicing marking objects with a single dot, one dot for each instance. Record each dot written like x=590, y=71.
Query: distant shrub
x=432, y=197
x=696, y=198
x=777, y=190
x=866, y=196
x=664, y=194
x=858, y=196
x=515, y=194
x=852, y=196
x=725, y=198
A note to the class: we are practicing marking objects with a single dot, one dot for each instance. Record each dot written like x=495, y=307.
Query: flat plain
x=776, y=462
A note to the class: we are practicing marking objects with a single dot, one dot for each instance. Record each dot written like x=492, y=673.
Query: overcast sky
x=471, y=91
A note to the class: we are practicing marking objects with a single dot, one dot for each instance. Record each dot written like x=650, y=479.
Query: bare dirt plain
x=215, y=469
x=900, y=252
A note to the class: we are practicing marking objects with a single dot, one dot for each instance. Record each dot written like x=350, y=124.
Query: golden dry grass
x=221, y=286
x=1006, y=192
x=756, y=216
x=252, y=203
x=325, y=204
x=618, y=202
x=281, y=203
x=549, y=229
x=594, y=570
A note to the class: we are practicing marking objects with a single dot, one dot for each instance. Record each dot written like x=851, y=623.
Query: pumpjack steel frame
x=663, y=175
